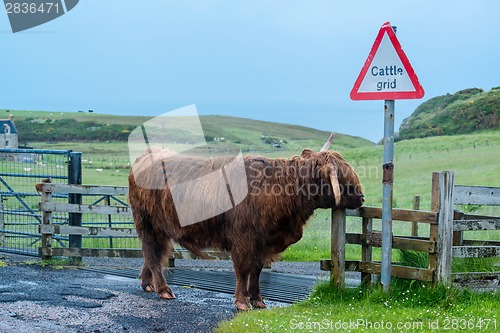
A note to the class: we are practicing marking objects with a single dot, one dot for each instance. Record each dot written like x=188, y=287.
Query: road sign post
x=387, y=75
x=387, y=182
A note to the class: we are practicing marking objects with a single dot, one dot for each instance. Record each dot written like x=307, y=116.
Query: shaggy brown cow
x=282, y=195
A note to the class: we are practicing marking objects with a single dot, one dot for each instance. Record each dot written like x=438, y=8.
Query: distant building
x=8, y=134
x=9, y=140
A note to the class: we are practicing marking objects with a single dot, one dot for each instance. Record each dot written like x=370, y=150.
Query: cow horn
x=328, y=143
x=334, y=180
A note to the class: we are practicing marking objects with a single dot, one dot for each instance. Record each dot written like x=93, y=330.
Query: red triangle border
x=387, y=95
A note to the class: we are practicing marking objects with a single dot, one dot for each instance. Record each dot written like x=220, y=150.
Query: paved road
x=42, y=299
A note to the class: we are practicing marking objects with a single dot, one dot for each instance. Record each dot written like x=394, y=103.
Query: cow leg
x=155, y=253
x=254, y=286
x=146, y=276
x=142, y=219
x=242, y=268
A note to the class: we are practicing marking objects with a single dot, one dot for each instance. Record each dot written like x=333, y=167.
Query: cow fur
x=257, y=229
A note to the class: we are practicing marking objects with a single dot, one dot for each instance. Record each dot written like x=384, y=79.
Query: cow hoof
x=258, y=304
x=149, y=288
x=242, y=306
x=167, y=295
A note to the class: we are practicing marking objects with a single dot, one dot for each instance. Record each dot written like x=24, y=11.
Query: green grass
x=60, y=263
x=465, y=265
x=458, y=265
x=411, y=306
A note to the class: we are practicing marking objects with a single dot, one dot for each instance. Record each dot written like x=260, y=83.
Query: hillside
x=463, y=112
x=222, y=132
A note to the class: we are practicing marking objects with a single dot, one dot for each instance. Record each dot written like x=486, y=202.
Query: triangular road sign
x=387, y=73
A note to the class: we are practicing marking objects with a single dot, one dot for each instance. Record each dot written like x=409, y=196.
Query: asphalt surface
x=45, y=299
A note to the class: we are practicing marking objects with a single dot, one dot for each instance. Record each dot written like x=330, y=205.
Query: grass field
x=239, y=133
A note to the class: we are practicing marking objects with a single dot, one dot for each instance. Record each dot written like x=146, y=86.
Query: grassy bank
x=411, y=306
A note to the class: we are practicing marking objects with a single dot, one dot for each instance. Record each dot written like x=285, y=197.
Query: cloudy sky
x=277, y=60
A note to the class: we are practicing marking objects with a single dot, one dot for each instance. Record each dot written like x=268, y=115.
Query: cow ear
x=307, y=153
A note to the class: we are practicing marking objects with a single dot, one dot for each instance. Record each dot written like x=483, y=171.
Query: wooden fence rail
x=47, y=229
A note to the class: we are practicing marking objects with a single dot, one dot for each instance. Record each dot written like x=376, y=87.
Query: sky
x=276, y=60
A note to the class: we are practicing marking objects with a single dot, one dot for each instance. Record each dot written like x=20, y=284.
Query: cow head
x=334, y=170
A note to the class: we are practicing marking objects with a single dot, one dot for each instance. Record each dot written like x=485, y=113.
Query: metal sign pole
x=387, y=181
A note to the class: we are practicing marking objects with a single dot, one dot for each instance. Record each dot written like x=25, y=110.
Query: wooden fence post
x=366, y=250
x=442, y=203
x=338, y=247
x=458, y=236
x=75, y=219
x=433, y=228
x=46, y=219
x=416, y=206
x=2, y=223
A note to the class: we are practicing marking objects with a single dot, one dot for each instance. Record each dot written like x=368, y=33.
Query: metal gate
x=20, y=170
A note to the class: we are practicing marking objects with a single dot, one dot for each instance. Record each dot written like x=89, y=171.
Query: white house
x=8, y=134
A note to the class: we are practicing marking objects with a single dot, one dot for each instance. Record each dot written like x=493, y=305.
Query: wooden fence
x=463, y=248
x=47, y=228
x=444, y=242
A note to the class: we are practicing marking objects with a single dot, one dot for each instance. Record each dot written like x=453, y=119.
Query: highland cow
x=282, y=195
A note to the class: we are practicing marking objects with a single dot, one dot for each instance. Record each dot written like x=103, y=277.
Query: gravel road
x=44, y=299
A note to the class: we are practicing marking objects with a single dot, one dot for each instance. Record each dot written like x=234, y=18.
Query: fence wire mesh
x=108, y=221
x=20, y=170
